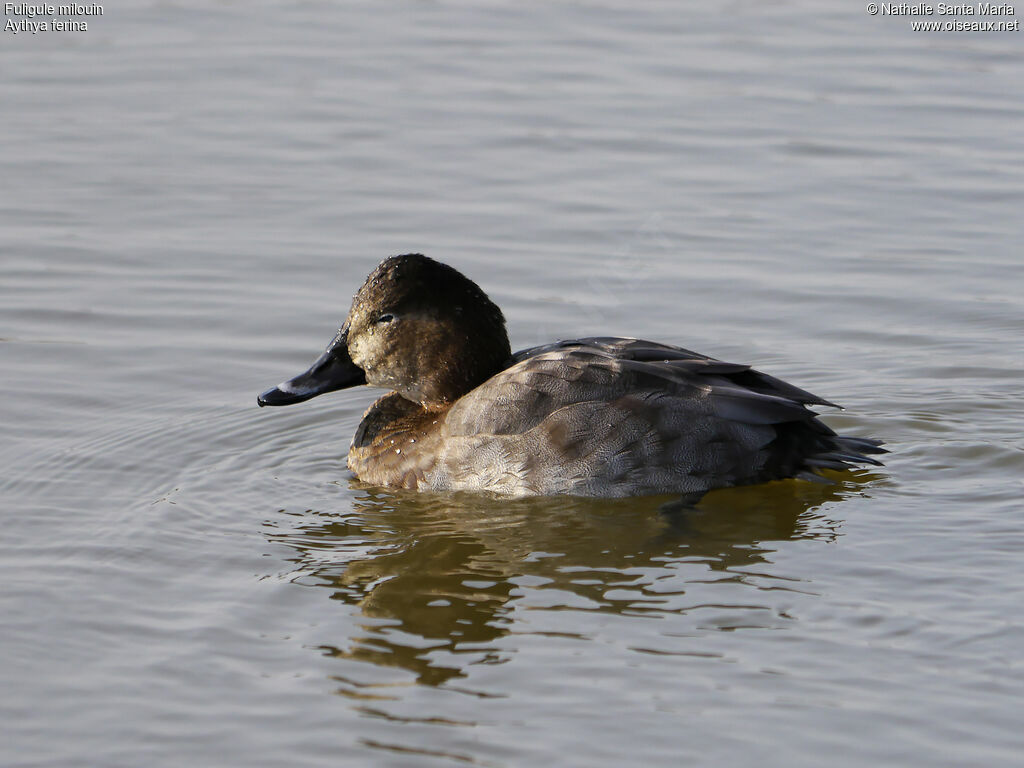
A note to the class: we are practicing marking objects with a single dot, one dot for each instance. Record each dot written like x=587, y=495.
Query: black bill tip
x=277, y=396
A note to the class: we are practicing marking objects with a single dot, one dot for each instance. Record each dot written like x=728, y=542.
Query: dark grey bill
x=333, y=370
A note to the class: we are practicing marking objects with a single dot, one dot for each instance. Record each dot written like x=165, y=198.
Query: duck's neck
x=460, y=363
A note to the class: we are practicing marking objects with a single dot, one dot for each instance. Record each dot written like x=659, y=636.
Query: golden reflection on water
x=440, y=575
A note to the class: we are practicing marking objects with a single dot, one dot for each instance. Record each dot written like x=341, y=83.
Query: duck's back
x=623, y=417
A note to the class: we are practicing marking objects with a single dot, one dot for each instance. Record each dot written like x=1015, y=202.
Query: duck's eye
x=387, y=317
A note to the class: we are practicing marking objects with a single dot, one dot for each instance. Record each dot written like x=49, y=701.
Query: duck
x=602, y=416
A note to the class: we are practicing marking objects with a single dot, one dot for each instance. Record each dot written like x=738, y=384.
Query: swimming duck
x=600, y=416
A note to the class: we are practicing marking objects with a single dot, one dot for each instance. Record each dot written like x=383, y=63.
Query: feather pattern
x=607, y=416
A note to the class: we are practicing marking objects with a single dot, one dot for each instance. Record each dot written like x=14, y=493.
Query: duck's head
x=417, y=327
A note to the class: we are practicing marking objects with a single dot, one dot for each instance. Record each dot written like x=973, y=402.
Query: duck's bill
x=333, y=370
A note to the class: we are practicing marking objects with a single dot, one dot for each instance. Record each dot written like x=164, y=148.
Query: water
x=191, y=194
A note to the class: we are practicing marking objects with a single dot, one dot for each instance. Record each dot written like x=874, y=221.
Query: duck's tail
x=840, y=452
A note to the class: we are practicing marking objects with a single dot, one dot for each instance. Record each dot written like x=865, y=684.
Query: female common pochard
x=602, y=416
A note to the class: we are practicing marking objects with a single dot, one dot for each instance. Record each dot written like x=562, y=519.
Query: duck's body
x=591, y=417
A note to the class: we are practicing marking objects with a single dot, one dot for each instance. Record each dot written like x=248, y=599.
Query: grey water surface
x=191, y=192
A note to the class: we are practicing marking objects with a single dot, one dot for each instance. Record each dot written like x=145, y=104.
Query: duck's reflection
x=438, y=577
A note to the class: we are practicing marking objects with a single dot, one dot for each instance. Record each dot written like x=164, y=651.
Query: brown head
x=417, y=327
